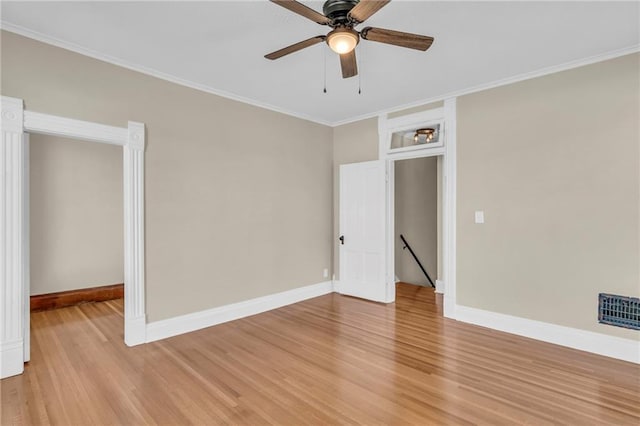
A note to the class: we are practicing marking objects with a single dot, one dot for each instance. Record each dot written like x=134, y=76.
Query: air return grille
x=619, y=310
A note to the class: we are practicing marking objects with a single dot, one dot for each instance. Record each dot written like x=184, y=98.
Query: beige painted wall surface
x=416, y=217
x=76, y=214
x=562, y=207
x=238, y=198
x=352, y=143
x=554, y=164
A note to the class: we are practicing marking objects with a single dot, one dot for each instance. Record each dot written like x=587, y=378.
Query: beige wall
x=76, y=214
x=554, y=164
x=238, y=198
x=416, y=217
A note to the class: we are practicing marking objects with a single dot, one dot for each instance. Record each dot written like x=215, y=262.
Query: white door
x=362, y=230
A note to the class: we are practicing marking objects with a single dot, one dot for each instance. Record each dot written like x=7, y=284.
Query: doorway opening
x=417, y=205
x=17, y=125
x=76, y=226
x=366, y=235
x=401, y=137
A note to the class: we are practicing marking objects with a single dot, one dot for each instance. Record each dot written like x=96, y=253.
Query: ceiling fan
x=342, y=16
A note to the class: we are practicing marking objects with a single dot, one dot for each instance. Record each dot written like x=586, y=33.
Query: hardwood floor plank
x=328, y=360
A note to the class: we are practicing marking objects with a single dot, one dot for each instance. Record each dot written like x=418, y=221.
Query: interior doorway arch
x=444, y=116
x=17, y=123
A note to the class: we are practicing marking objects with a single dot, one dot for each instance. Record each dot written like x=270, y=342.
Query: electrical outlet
x=325, y=273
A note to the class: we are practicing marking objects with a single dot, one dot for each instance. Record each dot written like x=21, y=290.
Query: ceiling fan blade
x=348, y=64
x=303, y=10
x=295, y=47
x=363, y=10
x=397, y=38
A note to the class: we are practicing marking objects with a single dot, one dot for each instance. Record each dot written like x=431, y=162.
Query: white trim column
x=13, y=267
x=134, y=261
x=449, y=214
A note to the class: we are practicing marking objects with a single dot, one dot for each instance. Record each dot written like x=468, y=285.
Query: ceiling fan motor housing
x=337, y=11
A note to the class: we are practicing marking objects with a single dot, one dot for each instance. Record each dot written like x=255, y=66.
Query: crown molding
x=25, y=32
x=17, y=29
x=497, y=83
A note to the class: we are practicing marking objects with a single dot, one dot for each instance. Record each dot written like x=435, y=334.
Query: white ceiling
x=219, y=46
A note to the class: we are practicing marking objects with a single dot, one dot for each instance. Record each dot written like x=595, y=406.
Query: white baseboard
x=11, y=359
x=135, y=331
x=439, y=287
x=601, y=344
x=186, y=323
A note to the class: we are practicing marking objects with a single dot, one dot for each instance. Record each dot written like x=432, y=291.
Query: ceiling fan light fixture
x=343, y=40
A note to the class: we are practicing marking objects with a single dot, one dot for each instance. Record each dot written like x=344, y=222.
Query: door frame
x=17, y=124
x=446, y=117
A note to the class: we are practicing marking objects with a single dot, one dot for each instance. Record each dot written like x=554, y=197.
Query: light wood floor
x=329, y=360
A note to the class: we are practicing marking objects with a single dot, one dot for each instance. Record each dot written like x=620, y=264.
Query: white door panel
x=362, y=219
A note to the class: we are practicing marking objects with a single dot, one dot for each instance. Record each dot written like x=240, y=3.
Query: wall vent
x=620, y=311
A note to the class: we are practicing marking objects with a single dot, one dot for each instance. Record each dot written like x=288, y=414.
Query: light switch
x=479, y=216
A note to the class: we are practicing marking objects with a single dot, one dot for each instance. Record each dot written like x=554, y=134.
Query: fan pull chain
x=324, y=55
x=359, y=59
